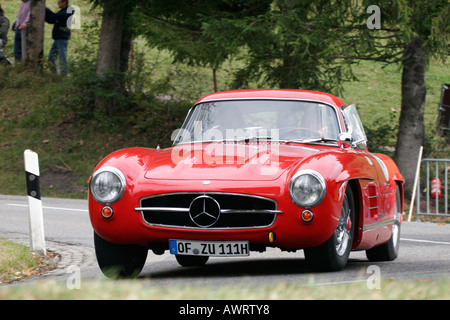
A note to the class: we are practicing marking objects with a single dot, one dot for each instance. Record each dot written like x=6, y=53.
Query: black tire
x=119, y=261
x=389, y=250
x=333, y=254
x=191, y=261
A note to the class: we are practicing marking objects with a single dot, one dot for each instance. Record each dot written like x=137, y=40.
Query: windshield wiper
x=314, y=140
x=249, y=139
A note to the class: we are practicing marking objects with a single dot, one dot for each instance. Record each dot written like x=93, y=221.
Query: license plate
x=209, y=248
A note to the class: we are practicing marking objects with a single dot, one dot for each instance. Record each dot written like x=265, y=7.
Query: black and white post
x=37, y=239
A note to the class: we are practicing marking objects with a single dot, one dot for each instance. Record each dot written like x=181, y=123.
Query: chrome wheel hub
x=343, y=229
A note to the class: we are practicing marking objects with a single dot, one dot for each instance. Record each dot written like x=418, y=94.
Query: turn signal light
x=271, y=237
x=107, y=212
x=307, y=215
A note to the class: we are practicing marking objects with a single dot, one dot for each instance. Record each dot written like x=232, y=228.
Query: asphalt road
x=424, y=253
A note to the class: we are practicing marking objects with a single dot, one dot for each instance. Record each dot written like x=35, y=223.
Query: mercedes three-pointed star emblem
x=204, y=211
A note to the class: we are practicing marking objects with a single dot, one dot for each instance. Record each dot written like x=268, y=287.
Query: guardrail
x=434, y=187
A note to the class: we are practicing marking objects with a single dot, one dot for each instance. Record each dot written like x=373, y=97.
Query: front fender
x=337, y=168
x=131, y=162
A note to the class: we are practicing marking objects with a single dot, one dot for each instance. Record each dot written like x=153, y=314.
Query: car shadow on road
x=242, y=268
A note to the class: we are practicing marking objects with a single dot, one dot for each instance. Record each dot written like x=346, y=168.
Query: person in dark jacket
x=4, y=28
x=60, y=35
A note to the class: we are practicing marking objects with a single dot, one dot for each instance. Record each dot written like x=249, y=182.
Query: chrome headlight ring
x=107, y=185
x=307, y=188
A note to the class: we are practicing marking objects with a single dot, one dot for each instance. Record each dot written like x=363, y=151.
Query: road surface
x=424, y=253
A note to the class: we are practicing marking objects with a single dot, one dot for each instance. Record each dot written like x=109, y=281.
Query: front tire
x=333, y=254
x=119, y=261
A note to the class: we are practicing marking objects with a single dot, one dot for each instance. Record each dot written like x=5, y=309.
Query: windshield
x=244, y=120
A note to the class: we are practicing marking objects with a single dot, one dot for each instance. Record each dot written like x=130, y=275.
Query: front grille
x=208, y=211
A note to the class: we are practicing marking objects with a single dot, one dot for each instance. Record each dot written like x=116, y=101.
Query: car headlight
x=307, y=188
x=107, y=185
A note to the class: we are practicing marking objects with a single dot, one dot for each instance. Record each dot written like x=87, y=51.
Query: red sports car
x=250, y=169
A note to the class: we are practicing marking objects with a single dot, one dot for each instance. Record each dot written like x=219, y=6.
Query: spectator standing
x=4, y=27
x=60, y=35
x=23, y=18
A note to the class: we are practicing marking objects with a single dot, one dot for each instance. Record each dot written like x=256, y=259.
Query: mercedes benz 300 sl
x=248, y=170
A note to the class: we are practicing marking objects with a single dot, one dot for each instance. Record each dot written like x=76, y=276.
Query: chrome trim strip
x=166, y=209
x=222, y=211
x=231, y=211
x=378, y=224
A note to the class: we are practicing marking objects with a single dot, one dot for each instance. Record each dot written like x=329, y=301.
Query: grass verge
x=17, y=262
x=143, y=290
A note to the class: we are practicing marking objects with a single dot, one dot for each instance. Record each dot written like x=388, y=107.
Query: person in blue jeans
x=60, y=35
x=21, y=24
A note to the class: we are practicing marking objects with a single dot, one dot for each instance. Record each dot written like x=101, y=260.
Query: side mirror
x=345, y=140
x=345, y=137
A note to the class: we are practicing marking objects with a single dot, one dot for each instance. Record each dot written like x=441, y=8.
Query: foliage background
x=56, y=116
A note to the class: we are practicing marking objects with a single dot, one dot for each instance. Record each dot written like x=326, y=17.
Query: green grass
x=16, y=261
x=144, y=290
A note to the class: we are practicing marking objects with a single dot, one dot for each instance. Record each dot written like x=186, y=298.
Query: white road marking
x=51, y=208
x=425, y=241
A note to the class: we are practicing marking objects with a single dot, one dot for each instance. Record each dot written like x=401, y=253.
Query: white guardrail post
x=37, y=239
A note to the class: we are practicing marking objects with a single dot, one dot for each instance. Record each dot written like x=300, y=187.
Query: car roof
x=274, y=94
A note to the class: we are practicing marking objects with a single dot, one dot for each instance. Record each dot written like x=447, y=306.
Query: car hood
x=226, y=161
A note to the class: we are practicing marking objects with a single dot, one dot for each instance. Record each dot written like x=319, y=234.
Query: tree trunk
x=127, y=40
x=35, y=42
x=109, y=51
x=411, y=133
x=110, y=59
